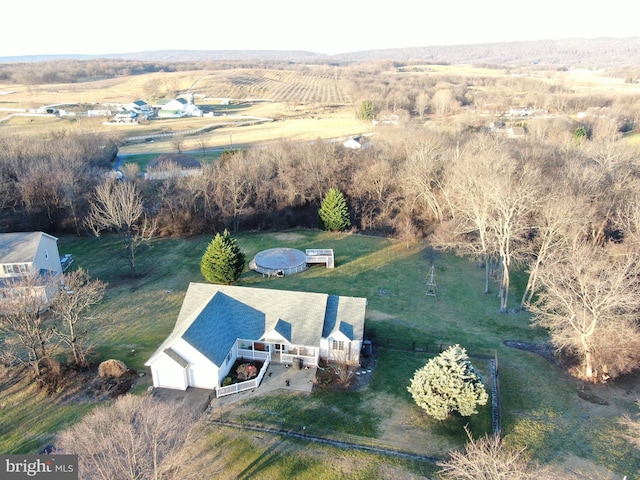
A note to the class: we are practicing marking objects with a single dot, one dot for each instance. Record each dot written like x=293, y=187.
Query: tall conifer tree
x=223, y=261
x=334, y=212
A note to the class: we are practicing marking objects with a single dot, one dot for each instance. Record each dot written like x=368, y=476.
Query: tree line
x=564, y=207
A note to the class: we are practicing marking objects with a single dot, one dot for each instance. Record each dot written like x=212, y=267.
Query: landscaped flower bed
x=243, y=369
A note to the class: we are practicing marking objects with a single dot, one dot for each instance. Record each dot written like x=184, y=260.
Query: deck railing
x=253, y=354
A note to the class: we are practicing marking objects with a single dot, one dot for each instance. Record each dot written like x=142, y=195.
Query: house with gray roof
x=218, y=324
x=27, y=253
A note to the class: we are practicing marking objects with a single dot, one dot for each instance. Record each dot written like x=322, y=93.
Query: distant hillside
x=602, y=52
x=568, y=52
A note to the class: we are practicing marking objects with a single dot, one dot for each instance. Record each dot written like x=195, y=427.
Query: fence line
x=357, y=445
x=435, y=347
x=193, y=131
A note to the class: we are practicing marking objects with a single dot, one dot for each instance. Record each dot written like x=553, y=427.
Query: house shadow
x=270, y=457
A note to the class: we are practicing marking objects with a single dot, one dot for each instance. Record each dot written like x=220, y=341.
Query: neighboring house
x=390, y=119
x=173, y=165
x=28, y=253
x=139, y=106
x=510, y=132
x=180, y=107
x=133, y=112
x=355, y=143
x=126, y=116
x=218, y=324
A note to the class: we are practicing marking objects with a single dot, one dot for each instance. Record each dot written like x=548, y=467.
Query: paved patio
x=278, y=377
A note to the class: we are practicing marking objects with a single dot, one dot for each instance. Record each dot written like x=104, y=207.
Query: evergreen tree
x=367, y=110
x=448, y=383
x=223, y=261
x=334, y=213
x=580, y=134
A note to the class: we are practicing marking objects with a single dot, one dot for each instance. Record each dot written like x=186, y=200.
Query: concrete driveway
x=197, y=399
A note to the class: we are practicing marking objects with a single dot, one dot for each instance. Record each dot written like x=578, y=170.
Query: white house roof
x=20, y=247
x=213, y=317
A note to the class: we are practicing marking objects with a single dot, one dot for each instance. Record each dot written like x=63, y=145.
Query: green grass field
x=541, y=408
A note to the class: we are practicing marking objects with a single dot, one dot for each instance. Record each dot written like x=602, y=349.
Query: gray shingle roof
x=213, y=316
x=220, y=323
x=346, y=315
x=19, y=247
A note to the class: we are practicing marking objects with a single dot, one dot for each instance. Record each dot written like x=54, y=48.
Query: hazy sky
x=33, y=27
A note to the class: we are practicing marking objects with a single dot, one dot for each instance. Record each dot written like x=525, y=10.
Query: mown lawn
x=143, y=159
x=540, y=406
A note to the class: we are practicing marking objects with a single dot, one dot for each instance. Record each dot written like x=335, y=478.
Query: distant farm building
x=180, y=107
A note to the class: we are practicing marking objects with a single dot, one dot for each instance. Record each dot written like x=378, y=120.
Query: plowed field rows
x=308, y=86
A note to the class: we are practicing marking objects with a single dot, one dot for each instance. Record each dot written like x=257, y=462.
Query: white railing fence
x=247, y=385
x=253, y=354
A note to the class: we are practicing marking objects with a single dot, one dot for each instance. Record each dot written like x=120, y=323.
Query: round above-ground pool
x=279, y=262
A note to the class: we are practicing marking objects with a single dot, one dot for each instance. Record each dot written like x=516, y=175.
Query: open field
x=312, y=84
x=306, y=102
x=542, y=407
x=561, y=421
x=339, y=123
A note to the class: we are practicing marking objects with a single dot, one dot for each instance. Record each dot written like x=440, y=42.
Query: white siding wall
x=47, y=256
x=202, y=372
x=350, y=352
x=167, y=373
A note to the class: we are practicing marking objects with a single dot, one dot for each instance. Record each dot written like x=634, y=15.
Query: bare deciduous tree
x=118, y=207
x=374, y=188
x=422, y=177
x=135, y=438
x=177, y=142
x=489, y=459
x=557, y=225
x=233, y=191
x=77, y=295
x=512, y=202
x=25, y=324
x=589, y=303
x=422, y=104
x=442, y=101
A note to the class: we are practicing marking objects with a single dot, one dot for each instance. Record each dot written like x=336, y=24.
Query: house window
x=338, y=345
x=228, y=359
x=279, y=346
x=14, y=268
x=46, y=254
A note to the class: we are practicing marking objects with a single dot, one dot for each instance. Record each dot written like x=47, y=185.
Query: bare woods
x=560, y=199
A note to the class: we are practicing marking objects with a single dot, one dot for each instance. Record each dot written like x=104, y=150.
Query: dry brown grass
x=301, y=127
x=306, y=105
